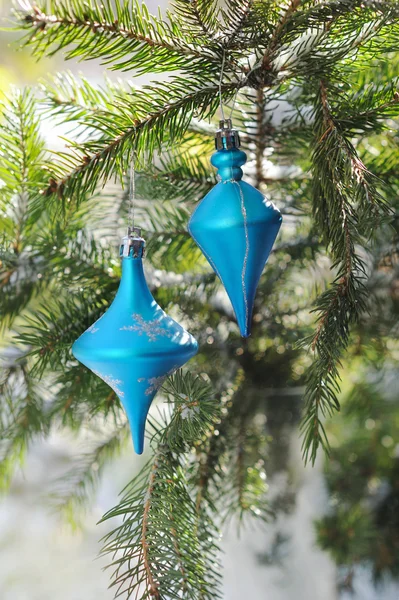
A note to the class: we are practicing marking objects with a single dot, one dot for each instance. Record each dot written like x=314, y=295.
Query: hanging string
x=220, y=85
x=132, y=192
x=220, y=90
x=234, y=102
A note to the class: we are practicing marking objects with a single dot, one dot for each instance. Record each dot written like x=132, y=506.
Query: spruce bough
x=329, y=68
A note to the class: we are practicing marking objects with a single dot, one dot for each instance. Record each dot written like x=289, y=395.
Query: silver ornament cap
x=226, y=137
x=133, y=244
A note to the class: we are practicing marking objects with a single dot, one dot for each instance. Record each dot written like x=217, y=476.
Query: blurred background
x=336, y=531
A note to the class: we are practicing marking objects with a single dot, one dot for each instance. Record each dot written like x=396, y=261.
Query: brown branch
x=342, y=287
x=205, y=468
x=266, y=61
x=357, y=166
x=41, y=21
x=203, y=481
x=323, y=320
x=153, y=586
x=196, y=12
x=179, y=555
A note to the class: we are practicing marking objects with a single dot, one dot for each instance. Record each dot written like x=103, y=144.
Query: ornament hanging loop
x=226, y=137
x=132, y=245
x=132, y=192
x=220, y=85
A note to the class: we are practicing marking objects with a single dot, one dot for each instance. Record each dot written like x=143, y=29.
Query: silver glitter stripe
x=113, y=383
x=244, y=214
x=156, y=382
x=245, y=263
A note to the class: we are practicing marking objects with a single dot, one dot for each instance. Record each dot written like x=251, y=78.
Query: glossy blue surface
x=236, y=226
x=134, y=346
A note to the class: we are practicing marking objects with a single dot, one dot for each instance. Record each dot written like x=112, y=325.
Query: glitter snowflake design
x=152, y=329
x=93, y=329
x=156, y=382
x=113, y=383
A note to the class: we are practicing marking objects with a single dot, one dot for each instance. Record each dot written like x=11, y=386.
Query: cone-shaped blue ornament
x=235, y=226
x=134, y=346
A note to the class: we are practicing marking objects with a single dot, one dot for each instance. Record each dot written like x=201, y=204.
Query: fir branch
x=81, y=396
x=294, y=48
x=124, y=36
x=195, y=8
x=22, y=155
x=150, y=579
x=22, y=418
x=235, y=15
x=369, y=109
x=228, y=474
x=74, y=99
x=195, y=410
x=79, y=172
x=200, y=17
x=159, y=545
x=140, y=560
x=278, y=31
x=50, y=331
x=22, y=159
x=340, y=180
x=22, y=173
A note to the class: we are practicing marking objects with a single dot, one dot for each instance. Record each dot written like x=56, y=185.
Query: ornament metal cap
x=226, y=137
x=133, y=244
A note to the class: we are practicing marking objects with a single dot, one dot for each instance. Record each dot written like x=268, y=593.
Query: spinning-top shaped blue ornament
x=235, y=226
x=134, y=346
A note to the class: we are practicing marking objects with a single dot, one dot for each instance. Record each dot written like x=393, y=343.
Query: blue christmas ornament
x=235, y=226
x=134, y=346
